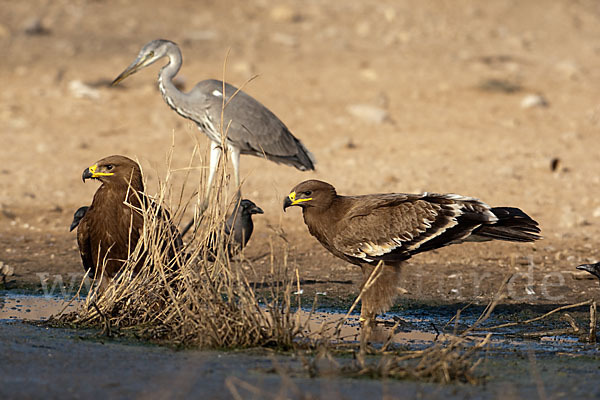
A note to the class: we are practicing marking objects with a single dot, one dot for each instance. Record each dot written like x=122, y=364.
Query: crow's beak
x=584, y=267
x=593, y=269
x=73, y=225
x=256, y=210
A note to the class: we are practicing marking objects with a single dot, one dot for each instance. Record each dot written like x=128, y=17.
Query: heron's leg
x=215, y=156
x=235, y=161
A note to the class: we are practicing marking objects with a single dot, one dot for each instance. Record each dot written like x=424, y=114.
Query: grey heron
x=251, y=128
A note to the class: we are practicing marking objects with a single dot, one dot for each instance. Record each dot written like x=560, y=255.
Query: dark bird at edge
x=593, y=269
x=109, y=231
x=77, y=217
x=238, y=228
x=393, y=227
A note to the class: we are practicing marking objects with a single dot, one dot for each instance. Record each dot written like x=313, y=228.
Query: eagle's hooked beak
x=286, y=203
x=90, y=173
x=291, y=200
x=87, y=174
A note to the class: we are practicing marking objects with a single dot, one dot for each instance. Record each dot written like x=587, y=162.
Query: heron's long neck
x=169, y=92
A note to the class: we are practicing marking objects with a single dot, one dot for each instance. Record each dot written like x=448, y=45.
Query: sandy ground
x=448, y=81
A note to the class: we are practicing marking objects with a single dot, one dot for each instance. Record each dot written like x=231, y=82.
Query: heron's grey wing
x=251, y=127
x=394, y=227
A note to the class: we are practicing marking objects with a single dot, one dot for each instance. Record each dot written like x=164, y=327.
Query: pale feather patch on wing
x=412, y=240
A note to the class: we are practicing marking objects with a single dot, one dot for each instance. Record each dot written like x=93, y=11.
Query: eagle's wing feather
x=395, y=226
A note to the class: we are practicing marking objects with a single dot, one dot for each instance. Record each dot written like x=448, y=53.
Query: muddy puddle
x=515, y=367
x=414, y=328
x=35, y=308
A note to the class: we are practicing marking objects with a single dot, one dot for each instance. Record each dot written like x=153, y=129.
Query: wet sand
x=42, y=362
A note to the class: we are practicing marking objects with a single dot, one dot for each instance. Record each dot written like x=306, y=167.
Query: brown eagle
x=110, y=229
x=393, y=227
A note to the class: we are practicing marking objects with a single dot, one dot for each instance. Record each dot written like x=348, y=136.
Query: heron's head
x=311, y=193
x=150, y=53
x=116, y=171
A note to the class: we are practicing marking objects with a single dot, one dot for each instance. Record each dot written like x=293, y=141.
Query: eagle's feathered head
x=311, y=193
x=116, y=171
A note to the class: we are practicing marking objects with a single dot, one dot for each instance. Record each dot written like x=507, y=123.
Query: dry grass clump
x=452, y=360
x=190, y=300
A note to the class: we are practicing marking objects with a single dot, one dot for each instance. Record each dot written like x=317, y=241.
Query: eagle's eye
x=109, y=167
x=307, y=193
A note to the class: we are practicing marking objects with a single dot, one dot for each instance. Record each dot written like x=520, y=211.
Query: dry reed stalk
x=189, y=300
x=593, y=324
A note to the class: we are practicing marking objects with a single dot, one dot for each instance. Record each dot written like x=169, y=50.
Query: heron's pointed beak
x=138, y=64
x=125, y=74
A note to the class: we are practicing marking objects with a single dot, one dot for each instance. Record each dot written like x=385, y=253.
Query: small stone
x=568, y=68
x=570, y=219
x=244, y=68
x=363, y=29
x=534, y=100
x=4, y=32
x=6, y=270
x=369, y=113
x=284, y=13
x=34, y=26
x=80, y=90
x=205, y=35
x=369, y=74
x=529, y=290
x=581, y=275
x=284, y=39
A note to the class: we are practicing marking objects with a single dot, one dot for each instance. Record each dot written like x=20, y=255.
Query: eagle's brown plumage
x=365, y=230
x=111, y=228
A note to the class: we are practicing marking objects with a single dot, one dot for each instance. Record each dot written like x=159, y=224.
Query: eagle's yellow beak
x=291, y=200
x=91, y=173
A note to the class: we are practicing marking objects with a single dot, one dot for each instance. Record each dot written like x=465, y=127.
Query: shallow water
x=416, y=327
x=515, y=367
x=36, y=308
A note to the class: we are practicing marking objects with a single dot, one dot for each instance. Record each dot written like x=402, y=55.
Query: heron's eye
x=307, y=193
x=109, y=167
x=151, y=53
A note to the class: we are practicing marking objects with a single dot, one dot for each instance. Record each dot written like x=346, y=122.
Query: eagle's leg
x=382, y=289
